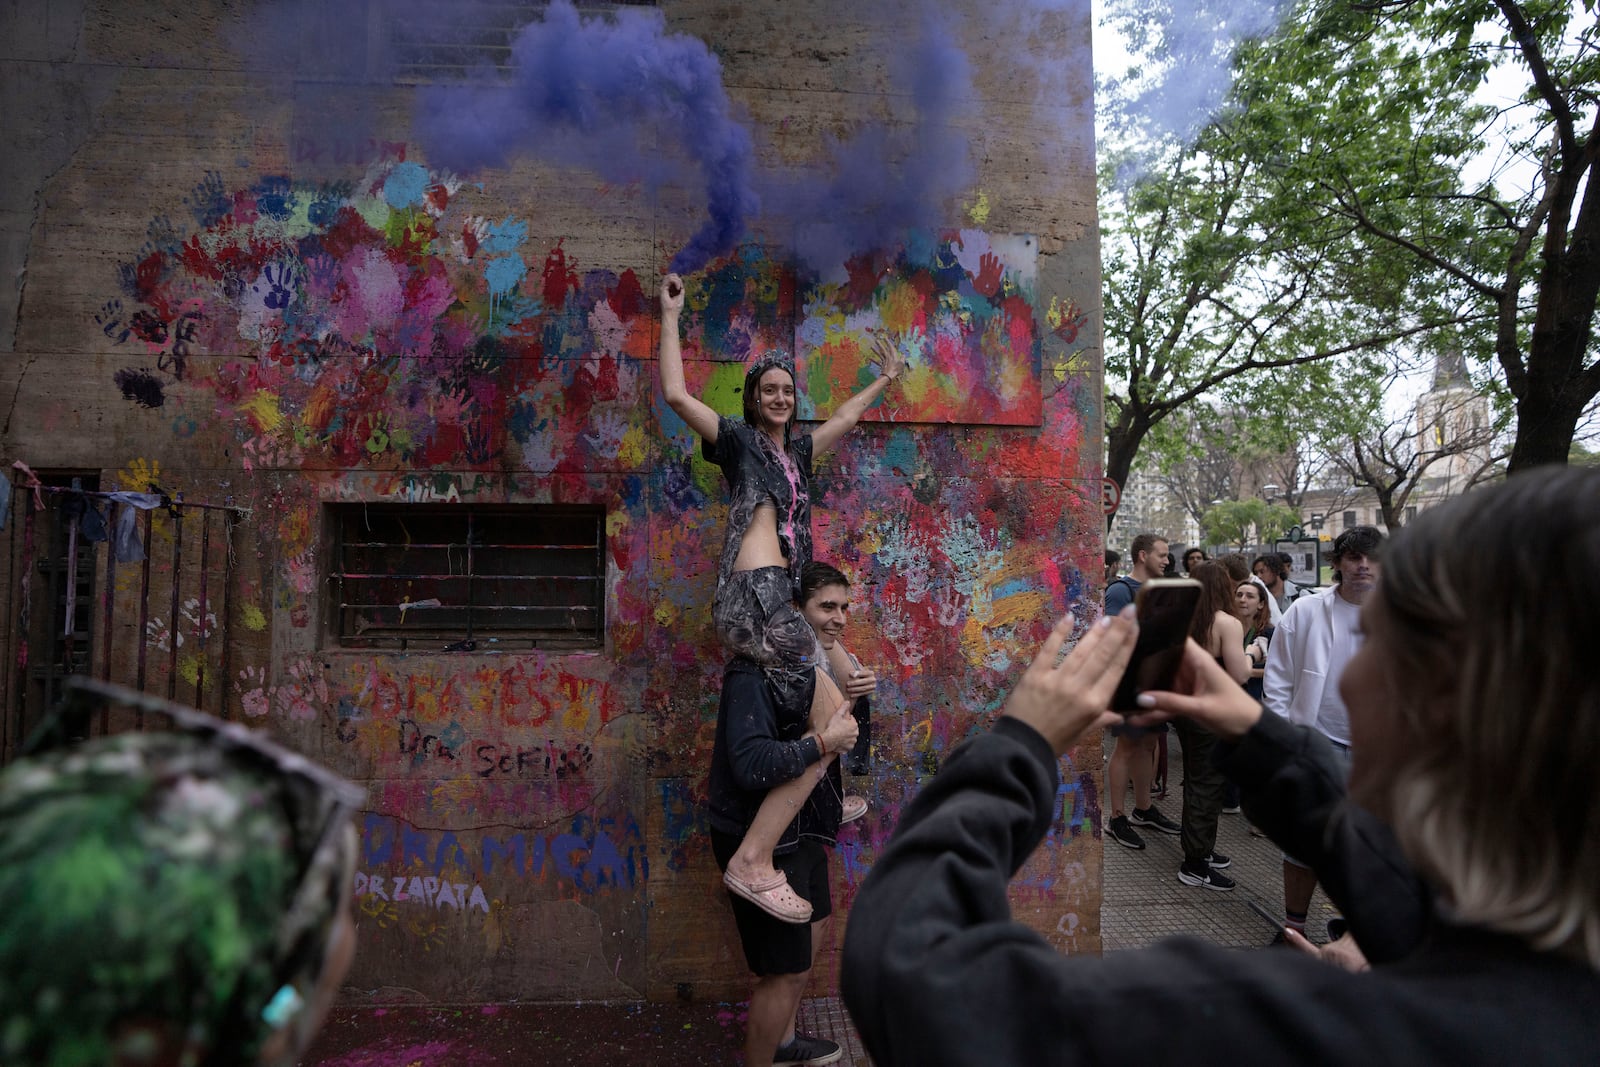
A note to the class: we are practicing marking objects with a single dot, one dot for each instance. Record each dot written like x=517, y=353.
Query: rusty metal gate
x=127, y=587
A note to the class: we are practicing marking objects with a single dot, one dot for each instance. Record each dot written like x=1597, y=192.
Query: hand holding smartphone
x=1165, y=608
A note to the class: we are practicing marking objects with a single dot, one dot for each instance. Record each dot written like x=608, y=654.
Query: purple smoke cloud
x=886, y=180
x=598, y=93
x=619, y=95
x=623, y=97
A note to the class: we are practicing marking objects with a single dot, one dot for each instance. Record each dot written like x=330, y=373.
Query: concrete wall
x=160, y=189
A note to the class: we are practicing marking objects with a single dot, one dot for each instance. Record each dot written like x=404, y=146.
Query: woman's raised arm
x=691, y=409
x=890, y=364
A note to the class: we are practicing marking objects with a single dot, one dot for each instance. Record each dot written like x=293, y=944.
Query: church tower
x=1452, y=417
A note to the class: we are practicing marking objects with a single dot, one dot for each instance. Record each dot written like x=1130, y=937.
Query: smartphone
x=1165, y=608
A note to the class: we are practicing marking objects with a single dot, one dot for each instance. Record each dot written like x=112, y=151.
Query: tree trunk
x=1387, y=509
x=1544, y=435
x=1549, y=407
x=1122, y=445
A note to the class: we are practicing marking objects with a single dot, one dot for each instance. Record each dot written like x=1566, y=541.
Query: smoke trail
x=622, y=97
x=597, y=93
x=888, y=179
x=1184, y=55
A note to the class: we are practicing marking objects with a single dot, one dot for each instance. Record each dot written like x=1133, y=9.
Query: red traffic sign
x=1110, y=495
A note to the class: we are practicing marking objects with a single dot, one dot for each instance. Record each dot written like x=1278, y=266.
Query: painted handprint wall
x=231, y=295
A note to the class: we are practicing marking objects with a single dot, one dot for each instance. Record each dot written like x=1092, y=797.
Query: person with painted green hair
x=171, y=898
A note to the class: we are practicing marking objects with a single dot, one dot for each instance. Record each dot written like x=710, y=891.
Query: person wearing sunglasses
x=172, y=896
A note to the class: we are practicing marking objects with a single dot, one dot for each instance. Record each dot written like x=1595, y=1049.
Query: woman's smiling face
x=775, y=398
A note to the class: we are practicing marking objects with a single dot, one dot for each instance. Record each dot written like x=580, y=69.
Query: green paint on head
x=146, y=879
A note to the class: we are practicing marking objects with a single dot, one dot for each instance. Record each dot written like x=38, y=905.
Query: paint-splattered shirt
x=760, y=745
x=757, y=473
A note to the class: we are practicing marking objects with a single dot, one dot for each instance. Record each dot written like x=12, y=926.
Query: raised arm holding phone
x=1480, y=919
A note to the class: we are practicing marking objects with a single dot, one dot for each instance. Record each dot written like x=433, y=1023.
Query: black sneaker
x=1218, y=861
x=806, y=1051
x=1123, y=834
x=1337, y=928
x=1151, y=817
x=1201, y=875
x=1231, y=810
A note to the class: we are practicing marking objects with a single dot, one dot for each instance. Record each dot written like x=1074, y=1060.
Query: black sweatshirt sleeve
x=937, y=973
x=931, y=945
x=1293, y=788
x=759, y=760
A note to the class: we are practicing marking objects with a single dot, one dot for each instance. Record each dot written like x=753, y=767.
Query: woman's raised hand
x=672, y=294
x=891, y=361
x=1065, y=698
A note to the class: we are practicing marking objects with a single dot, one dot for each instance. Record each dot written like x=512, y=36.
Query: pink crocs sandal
x=772, y=896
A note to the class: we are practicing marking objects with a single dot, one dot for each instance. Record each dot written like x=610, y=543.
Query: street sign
x=1305, y=567
x=1110, y=495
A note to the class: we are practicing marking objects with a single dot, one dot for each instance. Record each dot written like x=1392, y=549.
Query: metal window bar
x=478, y=32
x=66, y=634
x=449, y=591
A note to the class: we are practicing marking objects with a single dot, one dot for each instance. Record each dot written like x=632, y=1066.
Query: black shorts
x=772, y=946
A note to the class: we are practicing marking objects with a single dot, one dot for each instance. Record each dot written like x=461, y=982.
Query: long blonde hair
x=1500, y=807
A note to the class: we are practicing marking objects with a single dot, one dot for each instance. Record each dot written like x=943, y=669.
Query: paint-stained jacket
x=937, y=972
x=759, y=746
x=758, y=474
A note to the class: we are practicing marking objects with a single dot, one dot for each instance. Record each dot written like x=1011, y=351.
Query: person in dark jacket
x=1463, y=852
x=761, y=744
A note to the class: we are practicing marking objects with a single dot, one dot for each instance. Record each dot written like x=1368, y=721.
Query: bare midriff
x=760, y=547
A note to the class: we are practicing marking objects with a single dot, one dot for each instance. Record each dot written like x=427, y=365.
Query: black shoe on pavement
x=1123, y=834
x=805, y=1051
x=1233, y=810
x=1218, y=861
x=1337, y=928
x=1202, y=875
x=1152, y=817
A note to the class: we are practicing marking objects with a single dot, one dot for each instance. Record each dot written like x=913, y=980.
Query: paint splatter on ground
x=576, y=1035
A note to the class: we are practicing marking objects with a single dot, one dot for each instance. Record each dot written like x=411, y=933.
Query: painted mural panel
x=961, y=306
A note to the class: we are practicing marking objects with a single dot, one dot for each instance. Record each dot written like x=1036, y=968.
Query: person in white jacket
x=1315, y=638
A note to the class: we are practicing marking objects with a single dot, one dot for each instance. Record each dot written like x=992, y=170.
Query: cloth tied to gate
x=29, y=480
x=128, y=547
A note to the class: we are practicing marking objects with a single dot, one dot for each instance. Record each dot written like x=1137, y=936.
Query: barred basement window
x=462, y=578
x=447, y=42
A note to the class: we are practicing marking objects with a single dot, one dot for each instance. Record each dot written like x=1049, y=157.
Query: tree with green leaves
x=1245, y=522
x=1323, y=213
x=1215, y=280
x=1366, y=98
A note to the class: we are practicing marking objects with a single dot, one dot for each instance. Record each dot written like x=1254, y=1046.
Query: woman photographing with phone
x=1464, y=851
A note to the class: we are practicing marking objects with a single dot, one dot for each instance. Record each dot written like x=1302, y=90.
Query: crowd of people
x=1244, y=606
